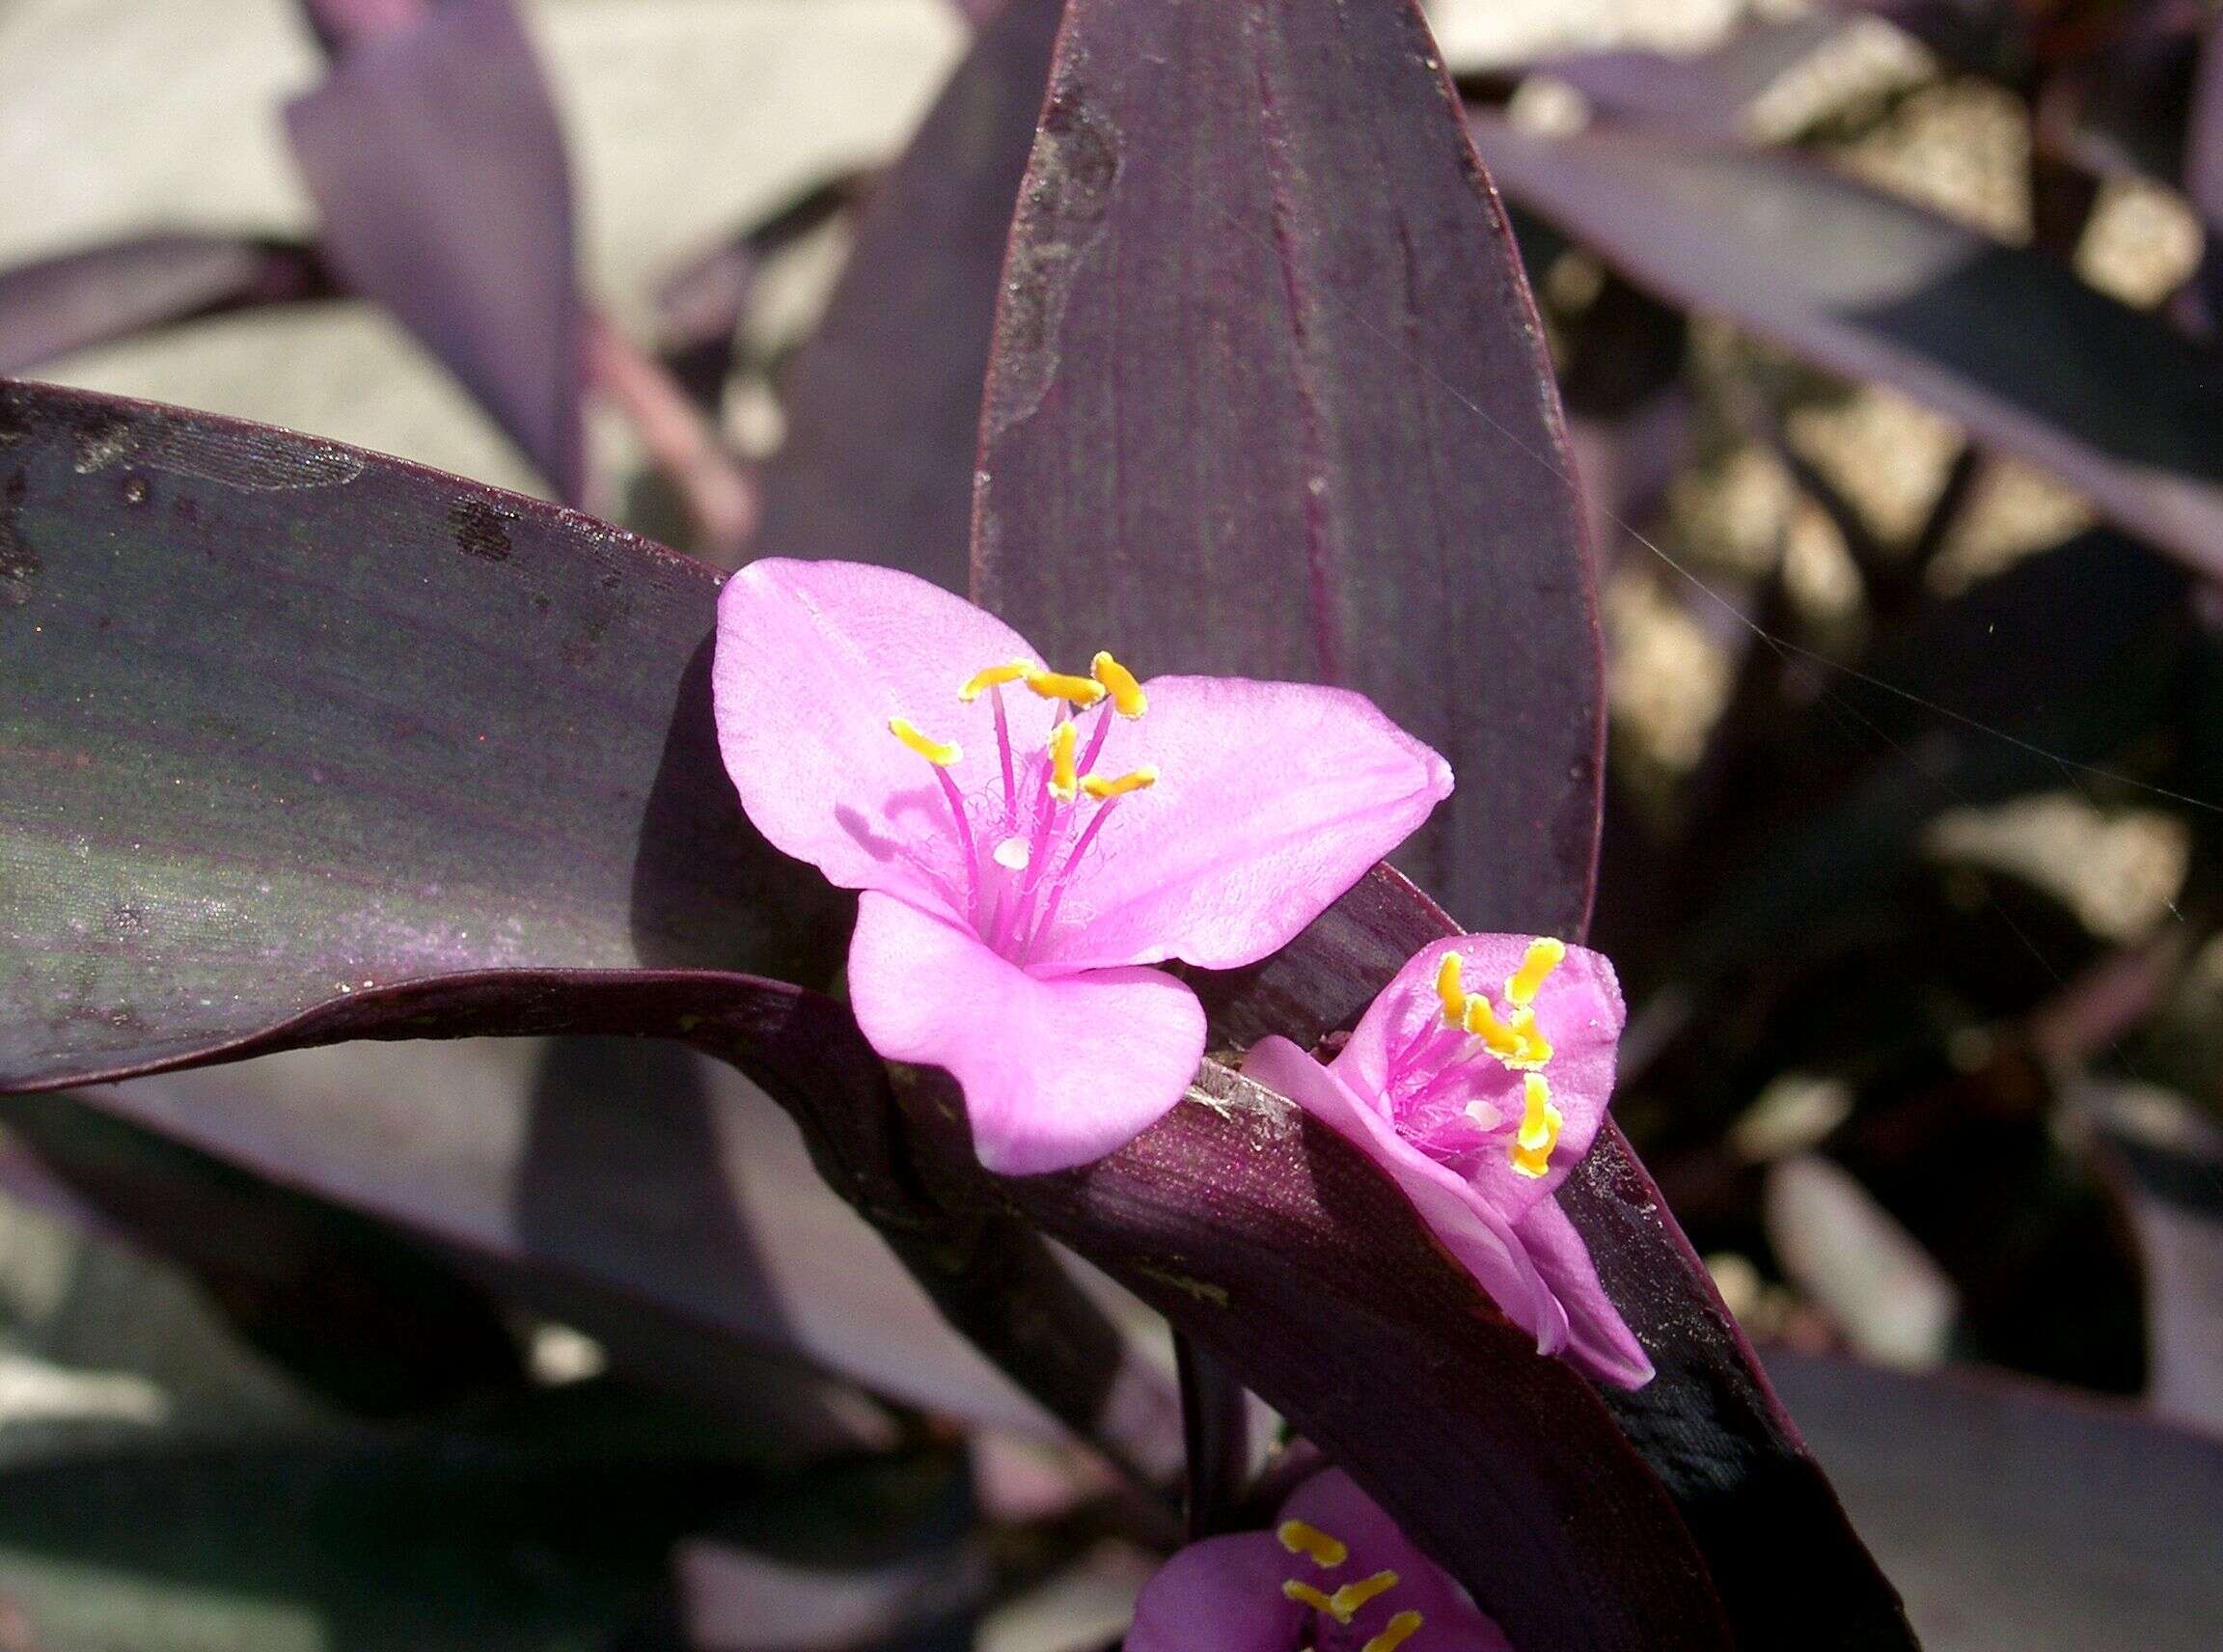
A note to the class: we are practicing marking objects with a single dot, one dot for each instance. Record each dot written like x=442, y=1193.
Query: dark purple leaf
x=2204, y=140
x=2166, y=1162
x=1705, y=95
x=1789, y=1569
x=285, y=721
x=439, y=170
x=883, y=403
x=630, y=1187
x=367, y=1319
x=318, y=746
x=1874, y=287
x=544, y=1526
x=2202, y=166
x=79, y=299
x=1285, y=1252
x=1269, y=397
x=701, y=304
x=2018, y=1517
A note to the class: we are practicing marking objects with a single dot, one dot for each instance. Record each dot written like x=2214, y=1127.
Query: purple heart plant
x=1174, y=495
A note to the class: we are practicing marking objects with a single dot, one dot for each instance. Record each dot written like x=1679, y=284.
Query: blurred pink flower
x=1027, y=840
x=1336, y=1575
x=1476, y=1080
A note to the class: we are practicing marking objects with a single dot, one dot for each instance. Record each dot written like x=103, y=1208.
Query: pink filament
x=965, y=839
x=1004, y=750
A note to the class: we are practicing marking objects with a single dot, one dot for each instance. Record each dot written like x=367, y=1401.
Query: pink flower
x=1334, y=1575
x=1028, y=840
x=1476, y=1080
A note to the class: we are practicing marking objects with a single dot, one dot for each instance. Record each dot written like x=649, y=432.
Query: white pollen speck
x=1011, y=854
x=1485, y=1115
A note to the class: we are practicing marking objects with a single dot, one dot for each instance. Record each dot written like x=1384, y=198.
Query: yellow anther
x=1134, y=780
x=1515, y=1041
x=1504, y=1041
x=1347, y=1599
x=992, y=676
x=1395, y=1633
x=1544, y=955
x=1063, y=785
x=1450, y=991
x=1080, y=691
x=1126, y=696
x=1539, y=1132
x=1305, y=1594
x=1535, y=1049
x=940, y=753
x=1315, y=1544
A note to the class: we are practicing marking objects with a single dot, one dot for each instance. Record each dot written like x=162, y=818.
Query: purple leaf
x=2204, y=141
x=76, y=300
x=1878, y=288
x=883, y=403
x=1269, y=398
x=1789, y=1569
x=1270, y=1240
x=2017, y=1516
x=1705, y=95
x=368, y=1319
x=629, y=1187
x=2165, y=1162
x=439, y=170
x=286, y=719
x=315, y=745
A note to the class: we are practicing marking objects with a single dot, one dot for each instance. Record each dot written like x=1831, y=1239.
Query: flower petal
x=1462, y=1222
x=813, y=660
x=1598, y=1340
x=1579, y=1010
x=1223, y=1593
x=1055, y=1072
x=1332, y=1502
x=1271, y=799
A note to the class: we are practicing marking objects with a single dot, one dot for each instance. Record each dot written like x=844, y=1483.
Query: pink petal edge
x=1332, y=1502
x=813, y=659
x=1055, y=1072
x=1475, y=1235
x=1273, y=798
x=1223, y=1593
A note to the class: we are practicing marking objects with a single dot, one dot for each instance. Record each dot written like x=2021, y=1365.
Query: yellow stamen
x=1080, y=691
x=1395, y=1633
x=1535, y=1049
x=940, y=753
x=1126, y=696
x=1539, y=1132
x=1499, y=1039
x=1063, y=785
x=1450, y=991
x=1544, y=955
x=1515, y=1041
x=1135, y=780
x=1315, y=1544
x=1347, y=1599
x=992, y=676
x=1305, y=1594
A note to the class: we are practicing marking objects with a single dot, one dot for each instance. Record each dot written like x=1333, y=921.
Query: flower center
x=1434, y=1080
x=1329, y=1621
x=1041, y=814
